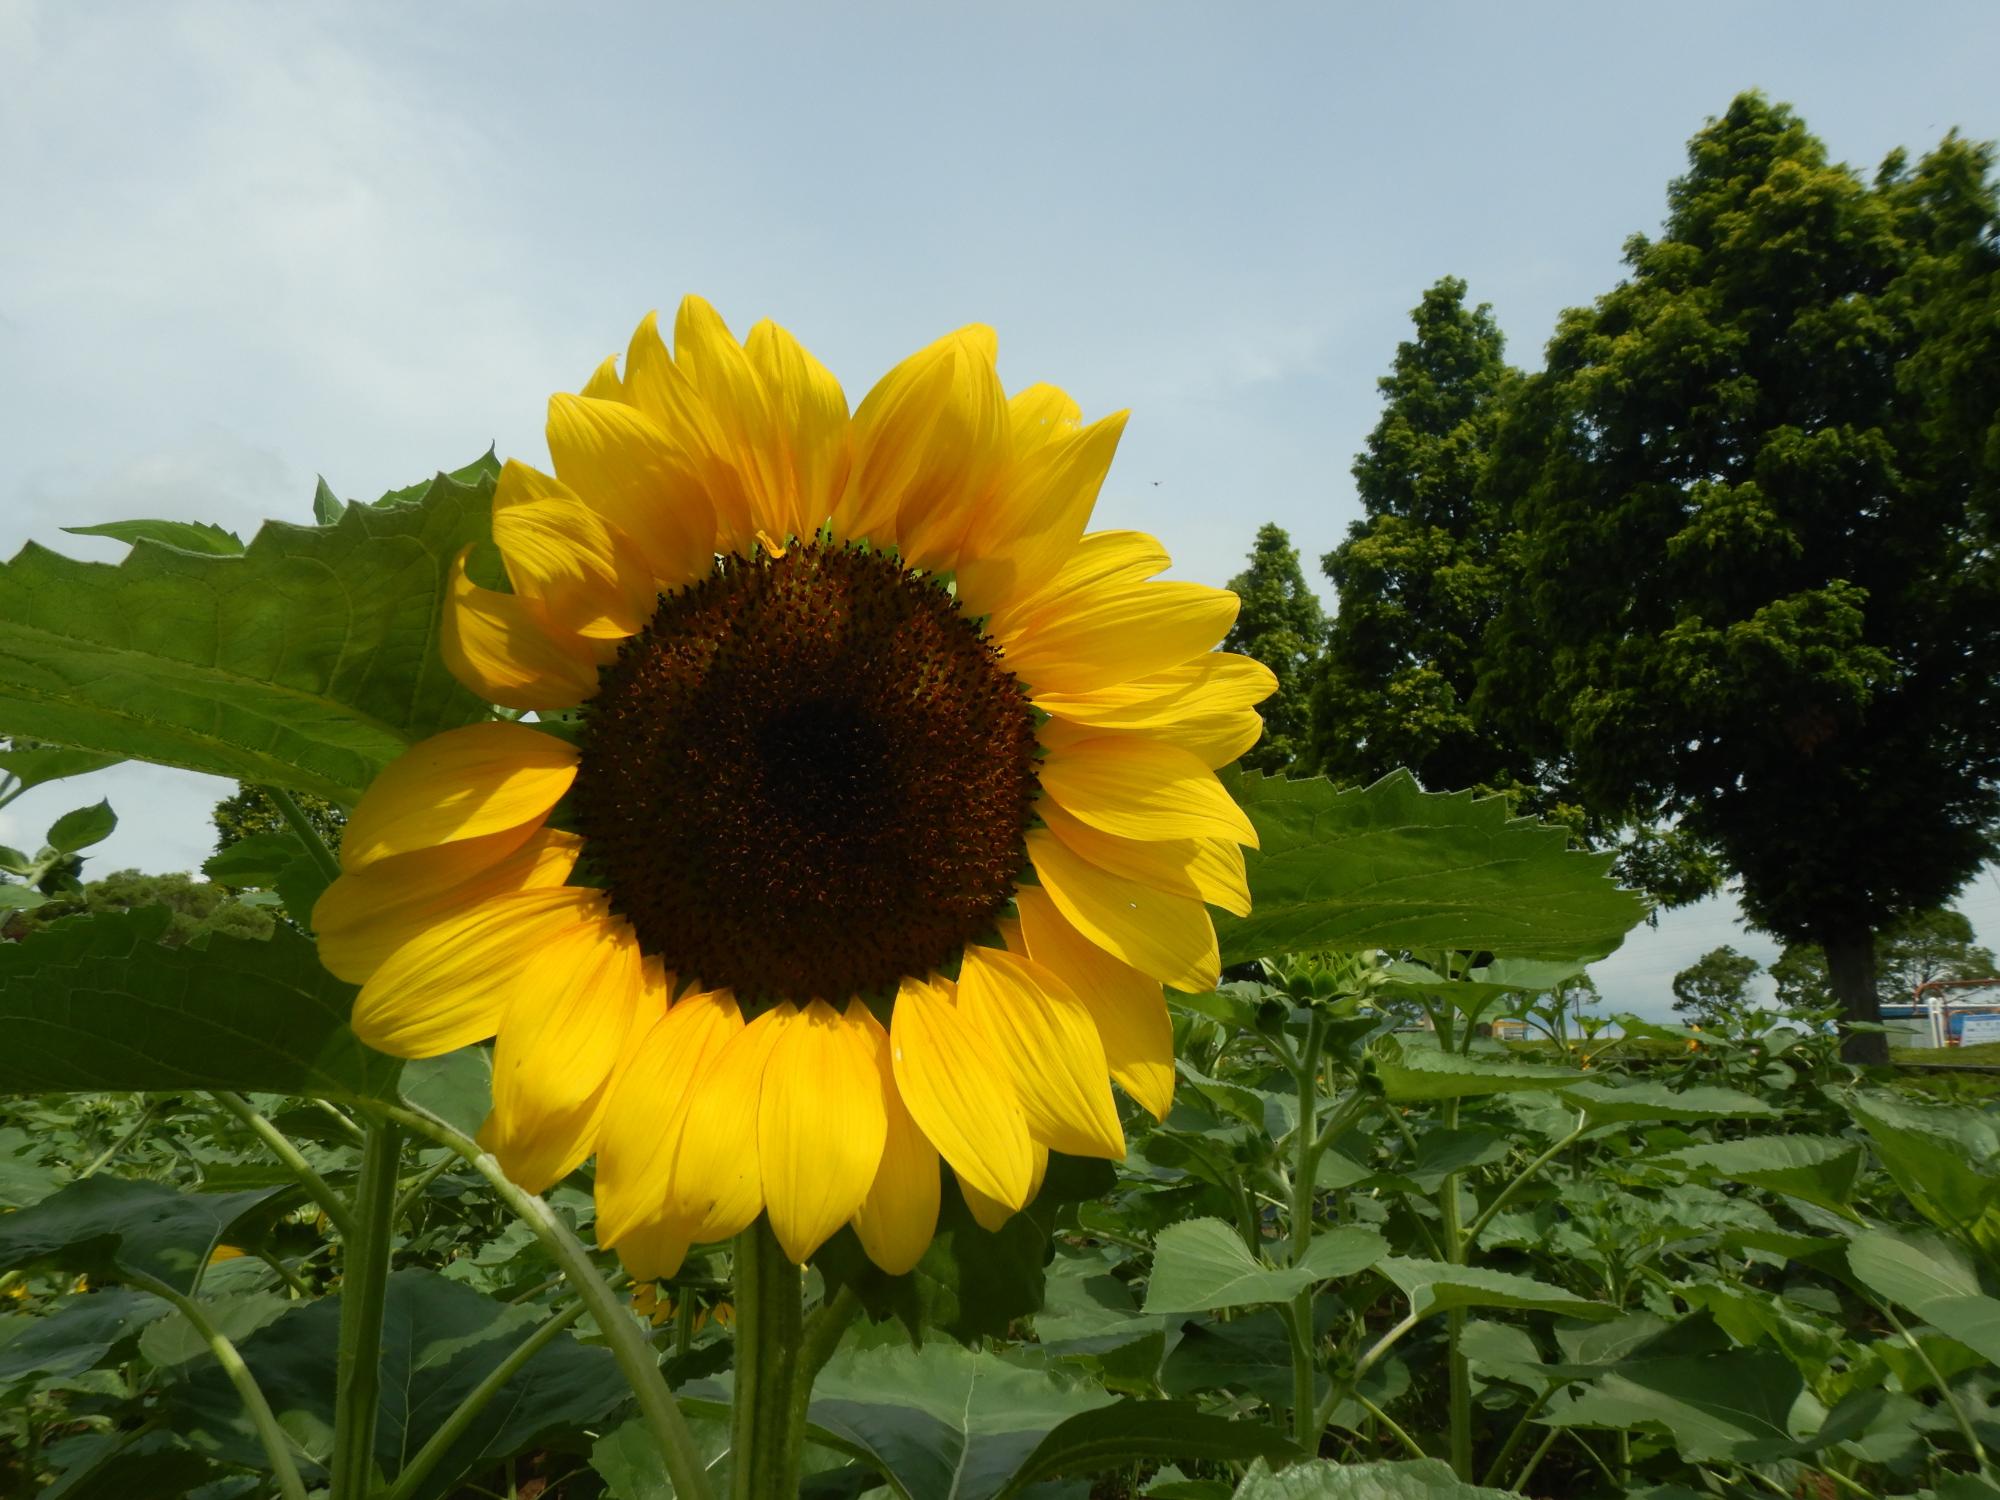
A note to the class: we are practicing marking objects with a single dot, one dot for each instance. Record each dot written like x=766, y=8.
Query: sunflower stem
x=294, y=815
x=637, y=1360
x=277, y=1446
x=770, y=1345
x=364, y=1284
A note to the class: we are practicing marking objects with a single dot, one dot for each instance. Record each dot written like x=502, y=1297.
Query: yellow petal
x=1210, y=870
x=892, y=429
x=1100, y=560
x=462, y=784
x=809, y=415
x=641, y=1130
x=1218, y=683
x=958, y=1091
x=716, y=1184
x=604, y=384
x=1128, y=1007
x=959, y=461
x=1169, y=937
x=451, y=985
x=1113, y=633
x=820, y=1125
x=1049, y=1045
x=1036, y=518
x=654, y=1251
x=896, y=1220
x=1139, y=788
x=722, y=374
x=1038, y=415
x=619, y=463
x=991, y=1215
x=582, y=571
x=570, y=1021
x=663, y=391
x=509, y=652
x=364, y=917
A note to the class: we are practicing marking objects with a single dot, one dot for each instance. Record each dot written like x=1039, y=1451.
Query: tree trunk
x=1850, y=973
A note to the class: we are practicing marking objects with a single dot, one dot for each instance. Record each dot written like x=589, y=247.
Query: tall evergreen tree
x=1755, y=594
x=1282, y=625
x=1423, y=572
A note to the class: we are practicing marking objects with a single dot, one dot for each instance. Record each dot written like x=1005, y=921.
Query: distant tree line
x=1718, y=586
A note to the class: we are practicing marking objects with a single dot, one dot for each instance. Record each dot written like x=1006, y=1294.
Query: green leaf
x=1433, y=1286
x=942, y=1420
x=20, y=898
x=628, y=1458
x=1203, y=1265
x=255, y=860
x=39, y=764
x=1817, y=1169
x=307, y=662
x=1421, y=1070
x=189, y=536
x=1419, y=1479
x=1393, y=866
x=1132, y=1431
x=80, y=1334
x=143, y=1464
x=109, y=1229
x=174, y=1341
x=1480, y=987
x=1634, y=1103
x=1725, y=1408
x=1973, y=1321
x=1911, y=1269
x=457, y=1087
x=327, y=506
x=81, y=828
x=99, y=1003
x=439, y=1340
x=971, y=1283
x=1246, y=1353
x=1942, y=1157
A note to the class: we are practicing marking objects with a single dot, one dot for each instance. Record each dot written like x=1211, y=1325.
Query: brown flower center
x=808, y=777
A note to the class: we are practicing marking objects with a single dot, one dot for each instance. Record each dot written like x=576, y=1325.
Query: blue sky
x=249, y=243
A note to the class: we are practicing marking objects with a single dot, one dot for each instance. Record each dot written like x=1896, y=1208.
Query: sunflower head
x=868, y=804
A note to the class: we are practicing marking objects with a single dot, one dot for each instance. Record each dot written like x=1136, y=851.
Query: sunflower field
x=762, y=977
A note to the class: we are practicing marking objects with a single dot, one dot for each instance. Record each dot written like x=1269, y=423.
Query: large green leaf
x=1636, y=1103
x=81, y=1332
x=1733, y=1407
x=1394, y=866
x=1114, y=1436
x=99, y=1002
x=1203, y=1265
x=942, y=1420
x=1421, y=1070
x=111, y=1229
x=971, y=1283
x=36, y=765
x=1945, y=1158
x=439, y=1341
x=1910, y=1268
x=1433, y=1286
x=308, y=661
x=1419, y=1479
x=1818, y=1169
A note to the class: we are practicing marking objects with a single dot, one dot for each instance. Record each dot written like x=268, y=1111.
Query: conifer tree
x=1422, y=573
x=1282, y=625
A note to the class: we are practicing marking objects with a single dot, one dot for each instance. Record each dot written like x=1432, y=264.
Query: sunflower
x=869, y=802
